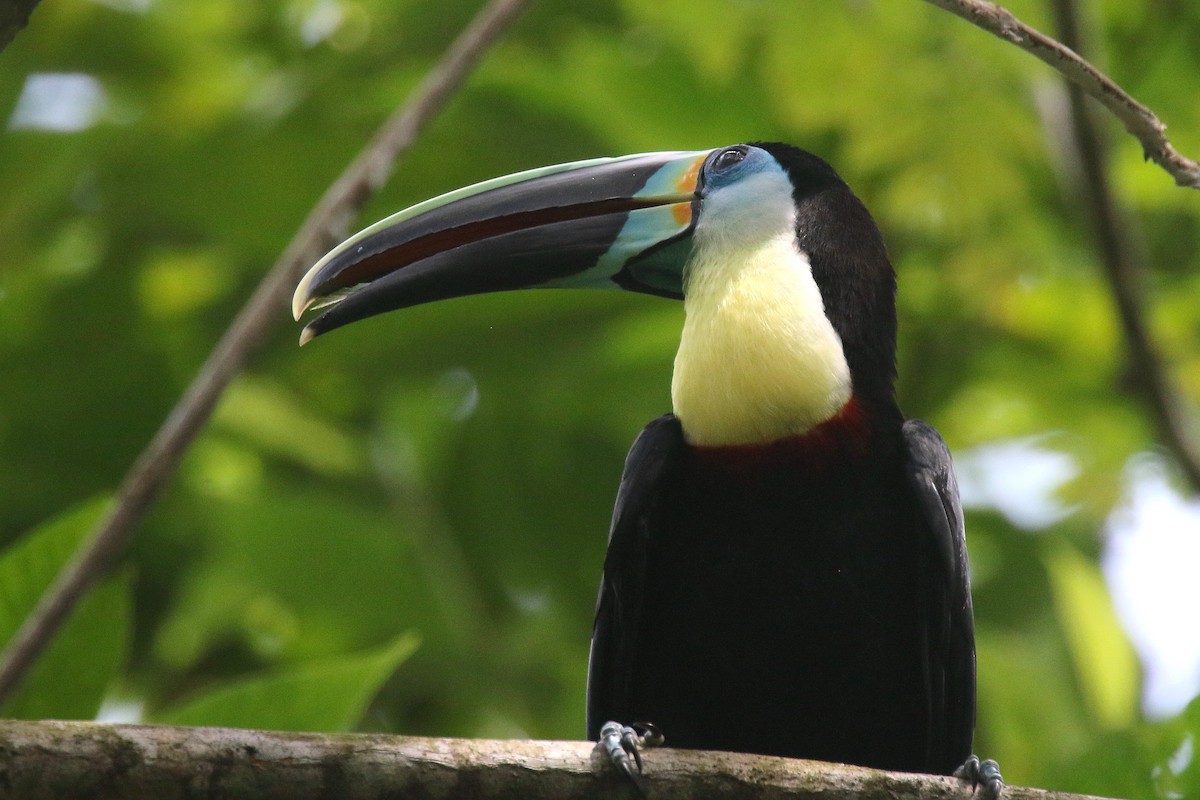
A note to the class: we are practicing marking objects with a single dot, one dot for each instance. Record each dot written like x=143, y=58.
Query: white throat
x=758, y=359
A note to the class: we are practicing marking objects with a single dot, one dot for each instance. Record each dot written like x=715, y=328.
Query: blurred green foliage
x=70, y=679
x=450, y=470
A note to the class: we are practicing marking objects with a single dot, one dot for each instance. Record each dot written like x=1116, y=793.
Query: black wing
x=619, y=606
x=946, y=587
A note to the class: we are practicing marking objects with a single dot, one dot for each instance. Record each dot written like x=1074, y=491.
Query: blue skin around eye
x=756, y=160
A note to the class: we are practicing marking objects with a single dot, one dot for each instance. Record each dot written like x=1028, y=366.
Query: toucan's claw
x=650, y=735
x=984, y=775
x=622, y=742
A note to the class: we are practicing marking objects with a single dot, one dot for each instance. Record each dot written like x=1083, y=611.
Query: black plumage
x=798, y=601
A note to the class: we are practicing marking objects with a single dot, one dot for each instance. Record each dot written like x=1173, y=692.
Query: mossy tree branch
x=41, y=760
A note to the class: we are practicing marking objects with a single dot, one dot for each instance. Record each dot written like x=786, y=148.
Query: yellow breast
x=758, y=360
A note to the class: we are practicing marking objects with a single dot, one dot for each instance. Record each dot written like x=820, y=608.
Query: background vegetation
x=401, y=526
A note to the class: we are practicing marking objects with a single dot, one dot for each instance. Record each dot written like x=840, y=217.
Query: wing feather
x=619, y=605
x=946, y=586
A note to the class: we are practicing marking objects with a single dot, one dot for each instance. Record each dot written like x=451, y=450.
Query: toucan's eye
x=728, y=158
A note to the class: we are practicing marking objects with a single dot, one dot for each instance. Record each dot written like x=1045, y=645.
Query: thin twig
x=323, y=227
x=1138, y=120
x=1125, y=265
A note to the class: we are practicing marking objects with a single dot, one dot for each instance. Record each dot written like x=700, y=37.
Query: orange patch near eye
x=687, y=183
x=682, y=213
x=688, y=180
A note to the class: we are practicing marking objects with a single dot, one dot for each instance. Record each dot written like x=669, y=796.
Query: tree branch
x=106, y=762
x=322, y=229
x=1123, y=259
x=1125, y=265
x=1138, y=120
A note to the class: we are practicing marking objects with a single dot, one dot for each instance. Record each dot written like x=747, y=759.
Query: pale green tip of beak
x=300, y=299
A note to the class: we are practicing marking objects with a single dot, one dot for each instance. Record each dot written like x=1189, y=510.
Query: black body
x=797, y=602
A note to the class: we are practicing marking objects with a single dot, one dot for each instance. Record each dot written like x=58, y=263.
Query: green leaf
x=1104, y=660
x=1178, y=773
x=326, y=695
x=267, y=415
x=69, y=680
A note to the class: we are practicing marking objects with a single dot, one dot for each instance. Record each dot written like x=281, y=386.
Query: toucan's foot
x=622, y=742
x=984, y=776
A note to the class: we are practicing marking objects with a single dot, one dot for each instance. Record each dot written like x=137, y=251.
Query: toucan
x=786, y=571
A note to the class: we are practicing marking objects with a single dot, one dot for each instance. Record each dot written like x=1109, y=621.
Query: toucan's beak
x=608, y=222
